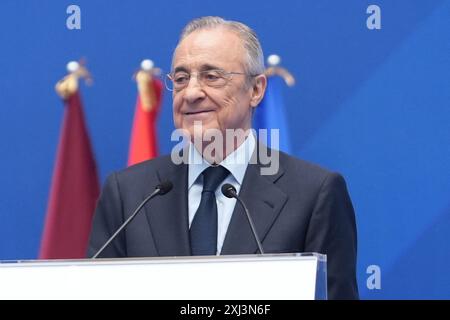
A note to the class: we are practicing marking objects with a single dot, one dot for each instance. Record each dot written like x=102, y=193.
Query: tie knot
x=213, y=176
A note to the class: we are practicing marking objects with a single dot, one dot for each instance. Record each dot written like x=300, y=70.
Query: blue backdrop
x=371, y=104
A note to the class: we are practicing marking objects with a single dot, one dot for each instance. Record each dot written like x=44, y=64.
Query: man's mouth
x=198, y=112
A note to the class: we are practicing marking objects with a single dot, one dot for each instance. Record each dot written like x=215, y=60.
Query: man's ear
x=258, y=88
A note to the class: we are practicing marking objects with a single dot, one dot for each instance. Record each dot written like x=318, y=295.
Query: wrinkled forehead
x=209, y=48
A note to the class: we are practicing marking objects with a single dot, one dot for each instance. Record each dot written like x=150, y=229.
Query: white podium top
x=241, y=277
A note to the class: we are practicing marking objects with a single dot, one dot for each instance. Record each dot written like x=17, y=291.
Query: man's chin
x=203, y=132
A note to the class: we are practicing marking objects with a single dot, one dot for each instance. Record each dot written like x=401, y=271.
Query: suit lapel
x=168, y=220
x=168, y=216
x=264, y=201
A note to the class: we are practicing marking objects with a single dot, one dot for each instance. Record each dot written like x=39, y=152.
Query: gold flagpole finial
x=68, y=85
x=274, y=69
x=144, y=77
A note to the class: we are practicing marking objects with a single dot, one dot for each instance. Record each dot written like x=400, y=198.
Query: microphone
x=160, y=189
x=230, y=192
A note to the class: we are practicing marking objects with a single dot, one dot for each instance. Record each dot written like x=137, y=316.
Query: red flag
x=74, y=190
x=143, y=142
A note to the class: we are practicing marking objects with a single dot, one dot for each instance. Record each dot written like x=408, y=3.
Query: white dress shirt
x=236, y=162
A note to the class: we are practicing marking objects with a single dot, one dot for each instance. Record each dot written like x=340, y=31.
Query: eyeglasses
x=177, y=81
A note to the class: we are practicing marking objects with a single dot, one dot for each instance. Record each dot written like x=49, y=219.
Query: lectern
x=293, y=276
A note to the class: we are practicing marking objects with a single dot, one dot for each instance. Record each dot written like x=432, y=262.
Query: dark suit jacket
x=302, y=208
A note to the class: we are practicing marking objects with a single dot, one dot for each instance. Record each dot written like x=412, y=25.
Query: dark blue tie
x=203, y=232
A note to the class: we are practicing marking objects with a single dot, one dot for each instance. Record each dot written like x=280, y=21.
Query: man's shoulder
x=305, y=172
x=308, y=178
x=294, y=164
x=288, y=163
x=146, y=170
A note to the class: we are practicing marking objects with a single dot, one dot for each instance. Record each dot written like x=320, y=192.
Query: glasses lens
x=177, y=81
x=211, y=78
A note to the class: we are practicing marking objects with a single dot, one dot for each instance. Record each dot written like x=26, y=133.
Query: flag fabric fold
x=144, y=141
x=74, y=190
x=271, y=113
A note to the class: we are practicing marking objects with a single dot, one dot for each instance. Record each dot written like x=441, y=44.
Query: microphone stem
x=250, y=221
x=126, y=223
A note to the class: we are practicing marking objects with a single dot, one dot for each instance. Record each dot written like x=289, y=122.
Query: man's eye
x=181, y=78
x=211, y=76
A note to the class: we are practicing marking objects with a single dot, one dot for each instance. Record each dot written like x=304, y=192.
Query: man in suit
x=217, y=80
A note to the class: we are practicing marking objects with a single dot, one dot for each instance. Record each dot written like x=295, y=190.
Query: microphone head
x=164, y=187
x=229, y=191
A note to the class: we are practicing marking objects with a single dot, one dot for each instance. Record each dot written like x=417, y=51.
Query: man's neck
x=215, y=153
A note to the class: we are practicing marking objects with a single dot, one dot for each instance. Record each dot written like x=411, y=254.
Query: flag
x=271, y=113
x=144, y=141
x=74, y=189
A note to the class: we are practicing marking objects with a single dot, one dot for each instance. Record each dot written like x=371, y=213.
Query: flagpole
x=144, y=78
x=68, y=85
x=275, y=69
x=143, y=140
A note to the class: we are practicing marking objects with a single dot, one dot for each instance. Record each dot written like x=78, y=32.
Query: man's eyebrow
x=181, y=69
x=207, y=67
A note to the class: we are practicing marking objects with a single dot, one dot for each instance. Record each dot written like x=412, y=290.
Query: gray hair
x=254, y=62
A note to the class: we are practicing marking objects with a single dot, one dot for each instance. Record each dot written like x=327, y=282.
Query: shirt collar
x=236, y=162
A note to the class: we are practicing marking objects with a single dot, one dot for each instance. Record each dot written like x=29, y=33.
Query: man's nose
x=193, y=91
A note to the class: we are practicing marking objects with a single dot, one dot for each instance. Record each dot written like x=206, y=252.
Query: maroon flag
x=74, y=190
